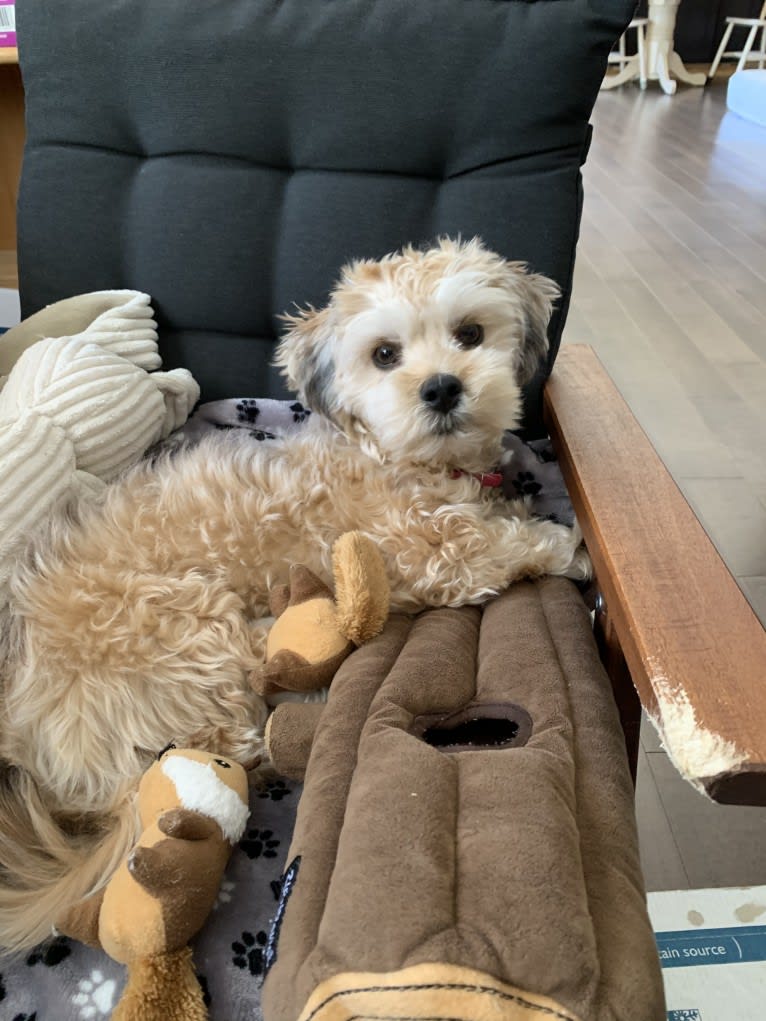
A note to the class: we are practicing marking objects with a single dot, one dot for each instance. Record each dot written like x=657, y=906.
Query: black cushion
x=228, y=156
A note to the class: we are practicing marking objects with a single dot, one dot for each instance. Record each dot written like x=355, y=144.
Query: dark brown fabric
x=185, y=824
x=287, y=671
x=290, y=735
x=517, y=862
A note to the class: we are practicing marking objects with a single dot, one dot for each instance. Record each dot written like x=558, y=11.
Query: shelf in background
x=8, y=273
x=11, y=143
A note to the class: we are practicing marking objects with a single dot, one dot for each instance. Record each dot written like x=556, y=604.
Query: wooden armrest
x=695, y=649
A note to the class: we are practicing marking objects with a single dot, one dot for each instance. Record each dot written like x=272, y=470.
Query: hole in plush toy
x=476, y=727
x=477, y=732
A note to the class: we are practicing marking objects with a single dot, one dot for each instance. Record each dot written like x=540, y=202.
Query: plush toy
x=465, y=842
x=76, y=410
x=193, y=808
x=315, y=631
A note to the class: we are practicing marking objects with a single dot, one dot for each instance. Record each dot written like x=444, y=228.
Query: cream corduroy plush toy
x=77, y=410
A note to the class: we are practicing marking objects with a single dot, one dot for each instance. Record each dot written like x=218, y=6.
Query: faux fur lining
x=428, y=991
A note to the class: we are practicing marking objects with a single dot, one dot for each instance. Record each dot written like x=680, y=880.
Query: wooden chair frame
x=676, y=633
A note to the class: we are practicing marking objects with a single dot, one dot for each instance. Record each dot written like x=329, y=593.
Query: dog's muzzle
x=441, y=392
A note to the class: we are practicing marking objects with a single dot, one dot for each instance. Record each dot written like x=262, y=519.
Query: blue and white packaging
x=712, y=946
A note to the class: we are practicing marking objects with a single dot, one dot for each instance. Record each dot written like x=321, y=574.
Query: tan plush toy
x=315, y=631
x=193, y=808
x=81, y=400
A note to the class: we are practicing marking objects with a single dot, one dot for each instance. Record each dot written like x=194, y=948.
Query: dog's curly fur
x=135, y=620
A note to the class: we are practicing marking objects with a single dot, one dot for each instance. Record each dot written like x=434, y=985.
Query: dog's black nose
x=441, y=392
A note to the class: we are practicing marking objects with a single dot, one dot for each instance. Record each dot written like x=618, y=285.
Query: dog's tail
x=48, y=864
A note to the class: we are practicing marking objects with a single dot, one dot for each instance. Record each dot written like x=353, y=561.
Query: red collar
x=489, y=479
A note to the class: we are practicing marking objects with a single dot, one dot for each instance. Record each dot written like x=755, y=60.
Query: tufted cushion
x=228, y=157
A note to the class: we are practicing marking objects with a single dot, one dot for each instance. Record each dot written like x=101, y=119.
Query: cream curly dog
x=134, y=620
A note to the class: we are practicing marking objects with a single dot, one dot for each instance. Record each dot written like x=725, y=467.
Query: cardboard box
x=712, y=946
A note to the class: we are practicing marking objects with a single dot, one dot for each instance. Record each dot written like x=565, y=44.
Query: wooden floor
x=670, y=289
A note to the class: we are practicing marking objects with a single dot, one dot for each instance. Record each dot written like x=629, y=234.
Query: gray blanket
x=528, y=470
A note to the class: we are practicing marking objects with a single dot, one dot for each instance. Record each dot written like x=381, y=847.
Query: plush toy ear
x=362, y=592
x=185, y=824
x=304, y=585
x=287, y=671
x=279, y=600
x=537, y=294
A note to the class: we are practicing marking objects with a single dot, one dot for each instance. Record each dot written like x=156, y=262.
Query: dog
x=139, y=618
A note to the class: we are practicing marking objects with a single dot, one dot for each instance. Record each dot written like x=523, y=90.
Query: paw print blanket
x=528, y=470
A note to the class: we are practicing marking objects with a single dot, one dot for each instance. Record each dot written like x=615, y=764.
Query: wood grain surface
x=685, y=628
x=11, y=148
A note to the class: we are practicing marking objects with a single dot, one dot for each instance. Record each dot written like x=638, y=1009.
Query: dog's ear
x=537, y=294
x=304, y=356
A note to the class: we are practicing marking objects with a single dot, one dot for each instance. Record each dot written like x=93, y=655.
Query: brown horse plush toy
x=193, y=807
x=315, y=630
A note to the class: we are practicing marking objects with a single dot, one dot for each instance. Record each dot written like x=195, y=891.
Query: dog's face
x=423, y=354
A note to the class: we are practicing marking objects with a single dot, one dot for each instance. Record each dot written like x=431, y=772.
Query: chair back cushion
x=228, y=156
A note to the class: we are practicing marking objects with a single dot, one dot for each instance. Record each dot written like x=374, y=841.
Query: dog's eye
x=386, y=356
x=469, y=335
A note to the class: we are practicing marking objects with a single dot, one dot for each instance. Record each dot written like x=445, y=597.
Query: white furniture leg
x=662, y=72
x=629, y=67
x=721, y=50
x=656, y=59
x=642, y=55
x=679, y=70
x=662, y=58
x=628, y=73
x=748, y=46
